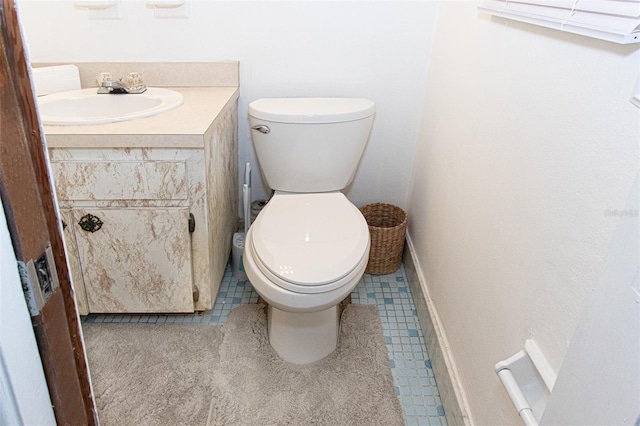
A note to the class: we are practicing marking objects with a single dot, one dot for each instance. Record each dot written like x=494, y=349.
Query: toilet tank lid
x=311, y=110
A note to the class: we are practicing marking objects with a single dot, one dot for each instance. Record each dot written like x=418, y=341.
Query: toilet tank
x=310, y=144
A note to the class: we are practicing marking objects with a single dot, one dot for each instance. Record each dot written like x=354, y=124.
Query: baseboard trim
x=451, y=391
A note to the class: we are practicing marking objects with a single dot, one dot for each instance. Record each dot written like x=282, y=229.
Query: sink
x=83, y=107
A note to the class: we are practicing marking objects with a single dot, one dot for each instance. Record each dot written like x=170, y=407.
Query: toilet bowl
x=309, y=246
x=305, y=254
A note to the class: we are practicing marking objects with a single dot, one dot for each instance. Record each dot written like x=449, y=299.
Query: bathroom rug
x=152, y=374
x=166, y=374
x=351, y=386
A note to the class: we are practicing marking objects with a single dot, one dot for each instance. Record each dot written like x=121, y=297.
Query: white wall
x=23, y=388
x=377, y=50
x=529, y=147
x=602, y=361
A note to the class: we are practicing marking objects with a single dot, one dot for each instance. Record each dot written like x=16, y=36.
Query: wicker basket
x=387, y=226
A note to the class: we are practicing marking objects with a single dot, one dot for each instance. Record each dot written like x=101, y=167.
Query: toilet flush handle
x=261, y=128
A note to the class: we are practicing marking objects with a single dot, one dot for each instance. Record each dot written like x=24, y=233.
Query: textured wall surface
x=371, y=49
x=527, y=154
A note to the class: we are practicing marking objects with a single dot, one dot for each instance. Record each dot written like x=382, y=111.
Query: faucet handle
x=134, y=79
x=104, y=77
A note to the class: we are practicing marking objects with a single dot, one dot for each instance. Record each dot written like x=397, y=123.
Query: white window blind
x=613, y=20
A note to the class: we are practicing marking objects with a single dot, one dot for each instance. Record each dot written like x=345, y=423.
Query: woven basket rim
x=371, y=209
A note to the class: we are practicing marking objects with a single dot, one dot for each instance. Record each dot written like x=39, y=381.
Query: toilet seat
x=308, y=243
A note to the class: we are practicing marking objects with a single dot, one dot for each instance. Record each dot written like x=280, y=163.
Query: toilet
x=309, y=246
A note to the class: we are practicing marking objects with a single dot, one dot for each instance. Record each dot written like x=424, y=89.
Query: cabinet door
x=135, y=260
x=74, y=262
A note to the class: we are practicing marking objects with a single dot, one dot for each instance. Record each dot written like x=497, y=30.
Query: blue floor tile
x=408, y=356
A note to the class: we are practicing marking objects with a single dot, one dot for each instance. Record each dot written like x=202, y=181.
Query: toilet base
x=303, y=338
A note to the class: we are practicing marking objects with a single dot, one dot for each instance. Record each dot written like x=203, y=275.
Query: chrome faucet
x=132, y=84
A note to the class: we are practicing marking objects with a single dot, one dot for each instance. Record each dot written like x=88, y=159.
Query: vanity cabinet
x=149, y=228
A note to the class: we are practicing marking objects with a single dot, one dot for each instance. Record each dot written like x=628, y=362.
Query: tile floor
x=410, y=365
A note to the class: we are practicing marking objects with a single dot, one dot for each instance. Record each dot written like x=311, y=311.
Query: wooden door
x=28, y=204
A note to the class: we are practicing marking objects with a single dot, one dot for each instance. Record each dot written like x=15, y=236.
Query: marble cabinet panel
x=121, y=180
x=221, y=163
x=138, y=261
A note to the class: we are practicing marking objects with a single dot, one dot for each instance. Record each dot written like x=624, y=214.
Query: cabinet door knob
x=90, y=223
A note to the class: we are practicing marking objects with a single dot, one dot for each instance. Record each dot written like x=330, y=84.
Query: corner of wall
x=452, y=394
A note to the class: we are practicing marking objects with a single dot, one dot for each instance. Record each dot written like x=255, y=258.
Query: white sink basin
x=81, y=107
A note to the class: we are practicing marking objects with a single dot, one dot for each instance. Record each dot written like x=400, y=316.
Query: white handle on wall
x=518, y=399
x=528, y=379
x=95, y=4
x=165, y=3
x=169, y=9
x=101, y=9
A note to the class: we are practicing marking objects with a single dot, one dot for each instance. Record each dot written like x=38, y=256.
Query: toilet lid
x=310, y=239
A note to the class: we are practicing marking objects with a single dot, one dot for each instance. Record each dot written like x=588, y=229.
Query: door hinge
x=39, y=280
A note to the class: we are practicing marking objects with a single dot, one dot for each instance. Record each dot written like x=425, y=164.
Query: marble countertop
x=183, y=127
